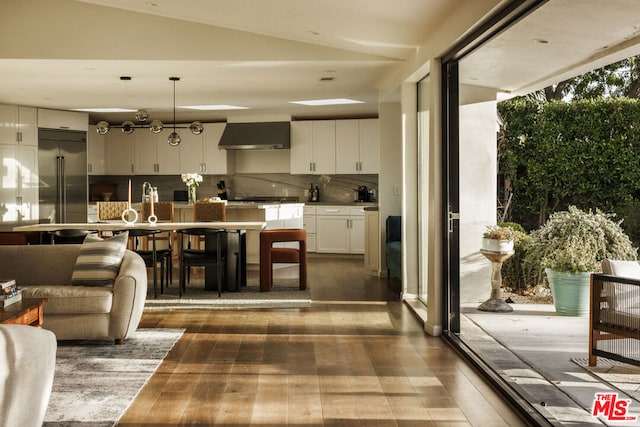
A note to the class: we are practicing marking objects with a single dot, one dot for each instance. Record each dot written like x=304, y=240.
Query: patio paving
x=533, y=348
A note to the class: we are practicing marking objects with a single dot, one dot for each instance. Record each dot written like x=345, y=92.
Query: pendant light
x=156, y=126
x=174, y=138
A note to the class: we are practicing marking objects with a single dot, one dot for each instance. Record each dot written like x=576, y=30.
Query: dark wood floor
x=357, y=357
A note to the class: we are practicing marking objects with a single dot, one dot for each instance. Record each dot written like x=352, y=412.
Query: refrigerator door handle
x=60, y=196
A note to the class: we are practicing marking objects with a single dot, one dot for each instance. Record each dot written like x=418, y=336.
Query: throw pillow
x=99, y=260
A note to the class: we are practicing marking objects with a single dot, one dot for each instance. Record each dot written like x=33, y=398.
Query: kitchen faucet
x=145, y=194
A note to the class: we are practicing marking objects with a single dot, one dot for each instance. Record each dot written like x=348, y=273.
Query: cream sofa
x=78, y=312
x=27, y=365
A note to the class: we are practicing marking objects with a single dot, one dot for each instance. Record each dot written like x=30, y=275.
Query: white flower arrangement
x=191, y=179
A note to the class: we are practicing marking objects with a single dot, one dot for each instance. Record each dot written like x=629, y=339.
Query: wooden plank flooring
x=357, y=357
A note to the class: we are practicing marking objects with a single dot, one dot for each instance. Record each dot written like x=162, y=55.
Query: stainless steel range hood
x=256, y=136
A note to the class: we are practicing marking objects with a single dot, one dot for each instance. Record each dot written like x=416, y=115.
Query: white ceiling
x=263, y=53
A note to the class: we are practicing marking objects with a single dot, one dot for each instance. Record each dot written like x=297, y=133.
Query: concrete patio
x=532, y=348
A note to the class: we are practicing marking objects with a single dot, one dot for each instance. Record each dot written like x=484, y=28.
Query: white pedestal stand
x=495, y=303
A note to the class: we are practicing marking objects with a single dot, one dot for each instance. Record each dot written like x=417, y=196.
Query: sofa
x=96, y=311
x=394, y=246
x=27, y=365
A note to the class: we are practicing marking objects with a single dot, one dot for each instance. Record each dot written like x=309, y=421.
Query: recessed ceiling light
x=335, y=101
x=106, y=110
x=213, y=107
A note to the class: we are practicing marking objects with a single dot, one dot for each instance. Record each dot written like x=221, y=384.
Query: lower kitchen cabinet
x=309, y=224
x=340, y=229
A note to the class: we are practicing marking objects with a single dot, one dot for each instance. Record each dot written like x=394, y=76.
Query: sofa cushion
x=65, y=299
x=99, y=260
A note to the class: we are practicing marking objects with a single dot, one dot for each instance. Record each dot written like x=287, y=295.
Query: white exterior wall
x=478, y=186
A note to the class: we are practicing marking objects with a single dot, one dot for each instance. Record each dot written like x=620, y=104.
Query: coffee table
x=25, y=312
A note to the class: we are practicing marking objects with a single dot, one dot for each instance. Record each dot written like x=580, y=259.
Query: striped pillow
x=99, y=260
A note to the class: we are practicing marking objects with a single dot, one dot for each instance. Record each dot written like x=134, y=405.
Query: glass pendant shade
x=127, y=127
x=102, y=127
x=174, y=139
x=196, y=128
x=156, y=126
x=142, y=115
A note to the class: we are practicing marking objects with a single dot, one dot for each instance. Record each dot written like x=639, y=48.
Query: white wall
x=390, y=176
x=478, y=186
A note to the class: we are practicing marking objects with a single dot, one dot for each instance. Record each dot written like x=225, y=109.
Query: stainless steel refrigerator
x=62, y=164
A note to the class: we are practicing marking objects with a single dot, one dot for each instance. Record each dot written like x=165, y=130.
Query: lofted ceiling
x=261, y=54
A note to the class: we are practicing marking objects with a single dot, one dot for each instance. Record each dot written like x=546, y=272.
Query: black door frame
x=450, y=203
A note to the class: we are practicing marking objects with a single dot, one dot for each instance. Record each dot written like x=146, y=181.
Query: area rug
x=622, y=376
x=283, y=295
x=96, y=381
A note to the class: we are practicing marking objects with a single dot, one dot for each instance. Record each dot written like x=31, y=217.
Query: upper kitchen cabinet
x=357, y=146
x=96, y=164
x=18, y=125
x=313, y=147
x=19, y=183
x=200, y=153
x=119, y=152
x=154, y=155
x=67, y=120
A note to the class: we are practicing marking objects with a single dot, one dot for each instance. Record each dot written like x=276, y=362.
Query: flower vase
x=192, y=194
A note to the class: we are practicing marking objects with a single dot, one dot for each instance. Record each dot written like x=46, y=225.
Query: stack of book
x=10, y=293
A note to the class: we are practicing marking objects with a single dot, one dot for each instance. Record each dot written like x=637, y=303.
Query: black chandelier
x=155, y=126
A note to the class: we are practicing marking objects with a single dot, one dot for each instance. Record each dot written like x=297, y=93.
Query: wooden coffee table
x=25, y=312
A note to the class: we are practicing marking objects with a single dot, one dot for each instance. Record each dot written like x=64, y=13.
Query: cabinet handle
x=203, y=167
x=332, y=210
x=90, y=167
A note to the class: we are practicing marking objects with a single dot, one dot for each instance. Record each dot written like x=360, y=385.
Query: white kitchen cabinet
x=96, y=164
x=340, y=229
x=357, y=146
x=19, y=183
x=154, y=155
x=200, y=153
x=18, y=125
x=309, y=224
x=313, y=147
x=119, y=151
x=59, y=119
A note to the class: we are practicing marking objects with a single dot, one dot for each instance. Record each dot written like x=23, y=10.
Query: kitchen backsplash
x=333, y=188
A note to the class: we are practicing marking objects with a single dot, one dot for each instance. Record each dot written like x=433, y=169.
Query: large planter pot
x=495, y=245
x=570, y=292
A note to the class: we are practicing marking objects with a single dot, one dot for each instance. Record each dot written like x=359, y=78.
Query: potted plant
x=498, y=239
x=569, y=247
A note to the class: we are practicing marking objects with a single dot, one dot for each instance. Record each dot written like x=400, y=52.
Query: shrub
x=577, y=241
x=515, y=273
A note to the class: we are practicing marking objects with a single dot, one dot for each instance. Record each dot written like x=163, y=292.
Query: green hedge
x=558, y=154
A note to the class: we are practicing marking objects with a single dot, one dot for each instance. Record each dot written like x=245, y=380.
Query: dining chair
x=204, y=211
x=150, y=257
x=213, y=254
x=164, y=211
x=270, y=255
x=60, y=237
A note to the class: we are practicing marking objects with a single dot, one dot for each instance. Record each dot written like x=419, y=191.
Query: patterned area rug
x=96, y=381
x=622, y=376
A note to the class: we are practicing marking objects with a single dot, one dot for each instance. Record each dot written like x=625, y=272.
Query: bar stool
x=164, y=212
x=270, y=255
